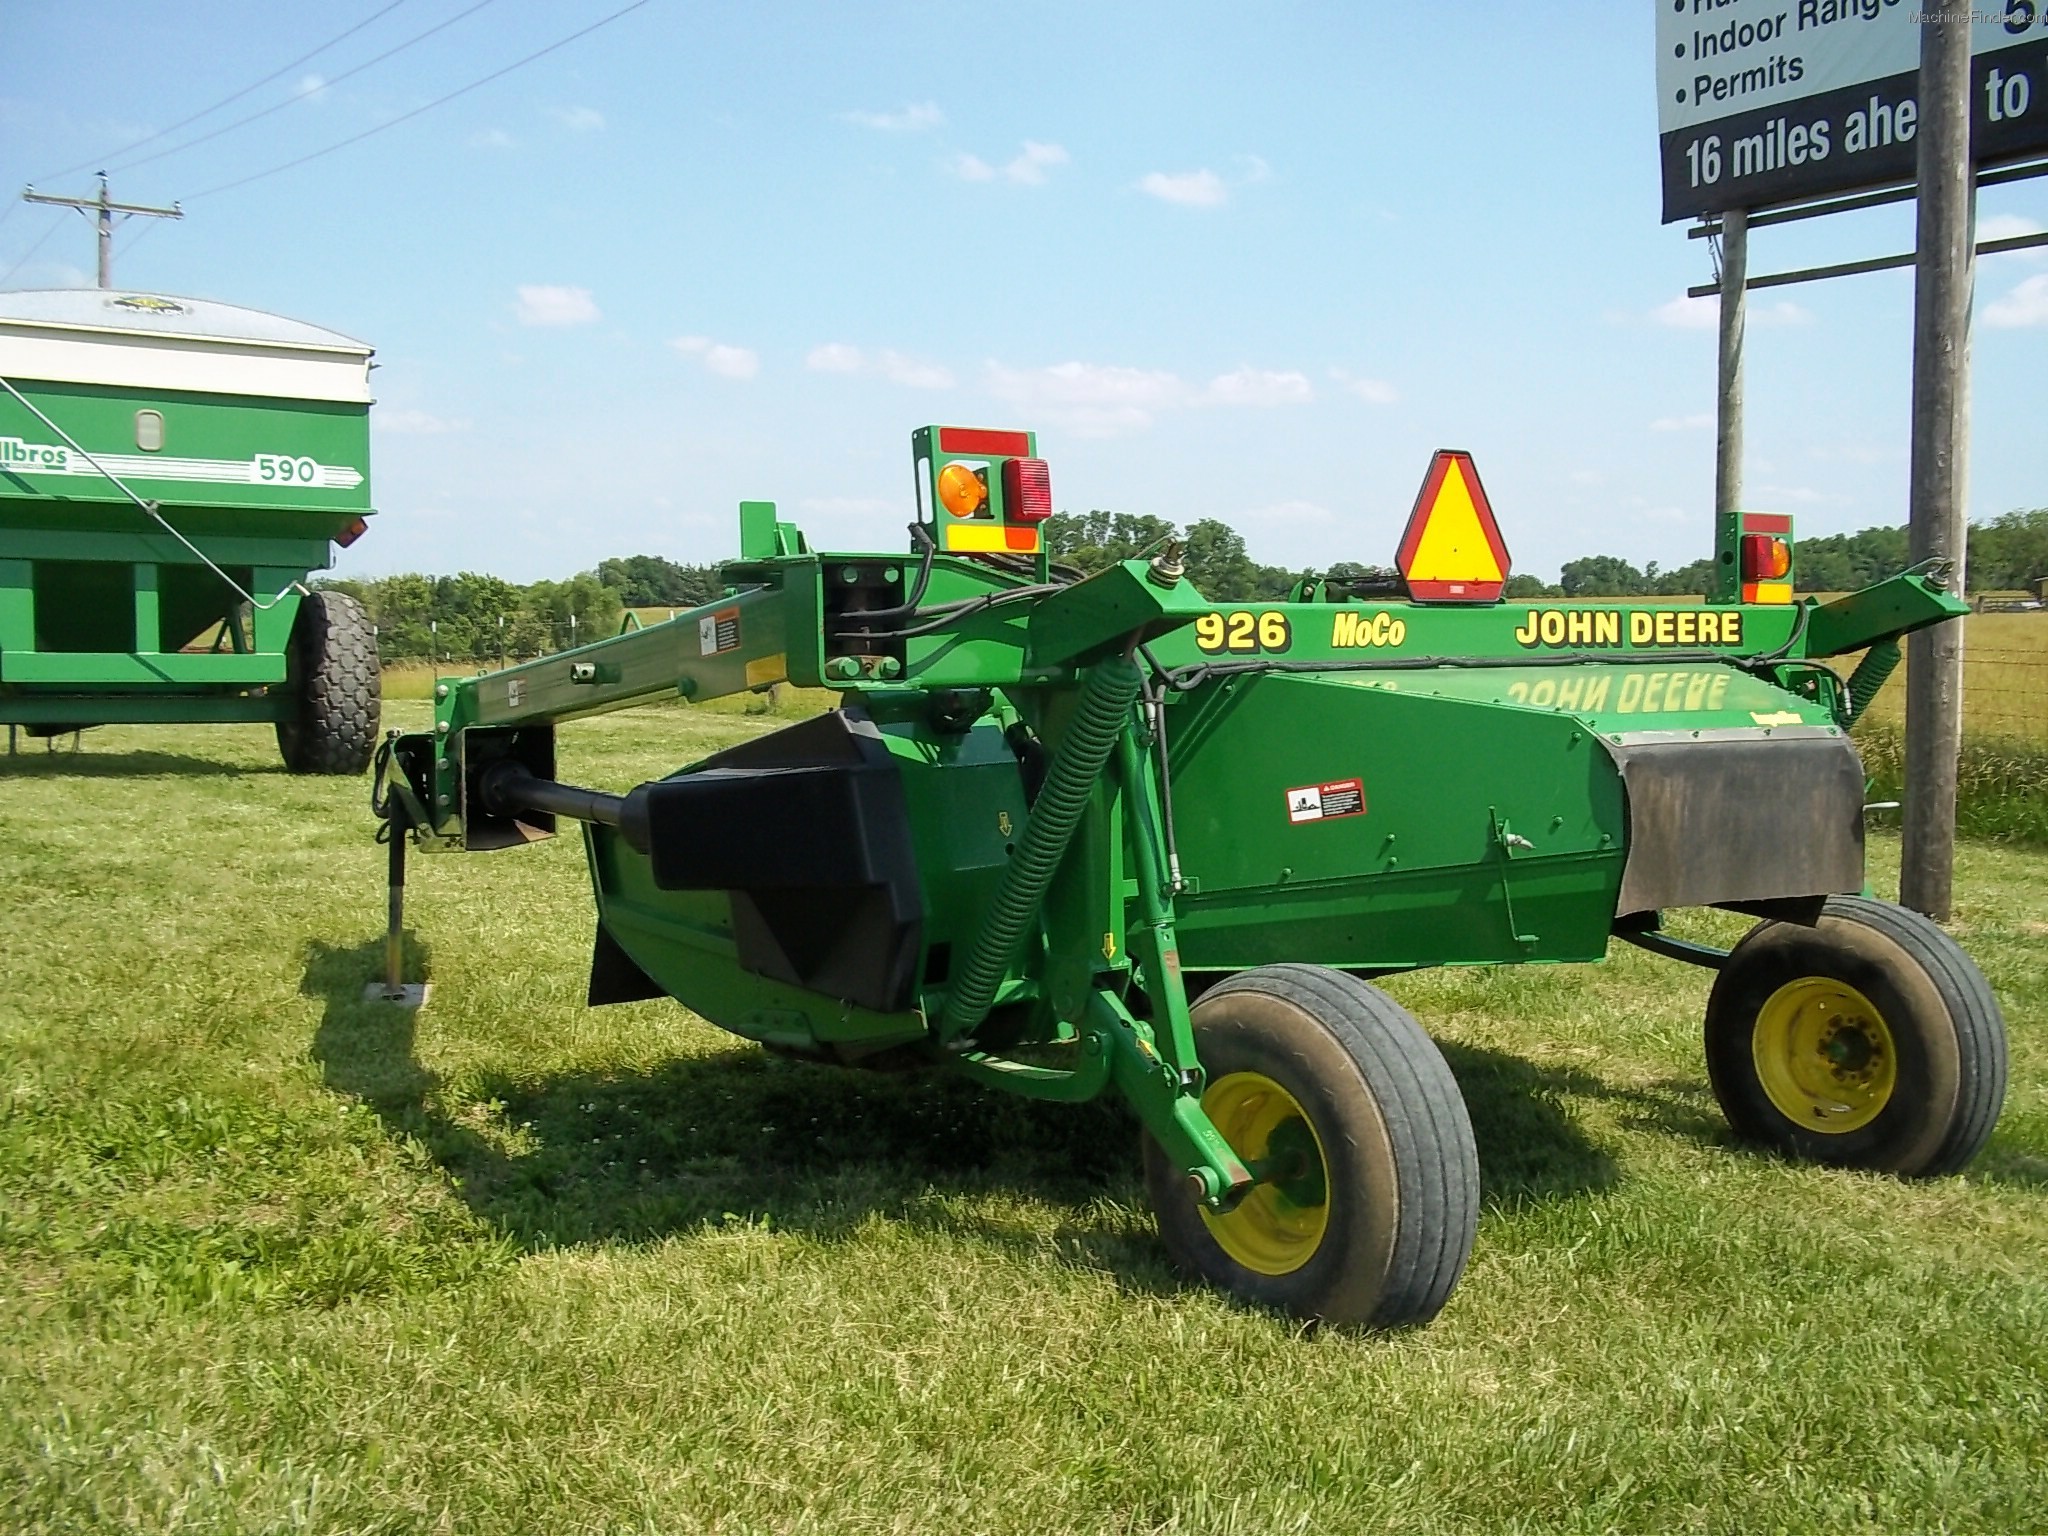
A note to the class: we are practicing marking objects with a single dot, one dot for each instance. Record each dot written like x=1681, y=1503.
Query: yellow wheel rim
x=1279, y=1225
x=1824, y=1055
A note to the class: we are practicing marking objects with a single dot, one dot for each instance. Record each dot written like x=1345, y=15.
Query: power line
x=105, y=207
x=498, y=74
x=226, y=100
x=55, y=225
x=298, y=96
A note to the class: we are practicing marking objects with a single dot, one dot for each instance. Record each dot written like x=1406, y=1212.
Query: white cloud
x=1259, y=386
x=1026, y=169
x=914, y=118
x=913, y=373
x=896, y=367
x=1029, y=167
x=415, y=423
x=1692, y=423
x=1371, y=391
x=1204, y=188
x=1667, y=514
x=491, y=138
x=1791, y=495
x=1290, y=513
x=549, y=304
x=1107, y=399
x=1191, y=189
x=721, y=358
x=312, y=88
x=1587, y=477
x=2025, y=305
x=578, y=119
x=846, y=506
x=1690, y=314
x=834, y=357
x=1092, y=399
x=2006, y=226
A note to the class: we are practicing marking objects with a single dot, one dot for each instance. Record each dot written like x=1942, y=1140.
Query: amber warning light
x=1451, y=551
x=1766, y=546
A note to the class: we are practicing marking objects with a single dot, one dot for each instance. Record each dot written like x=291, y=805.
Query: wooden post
x=1726, y=583
x=1943, y=276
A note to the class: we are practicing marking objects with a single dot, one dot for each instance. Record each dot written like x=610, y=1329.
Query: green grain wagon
x=170, y=471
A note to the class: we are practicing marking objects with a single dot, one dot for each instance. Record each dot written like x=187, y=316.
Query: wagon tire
x=1330, y=1079
x=1870, y=1040
x=333, y=688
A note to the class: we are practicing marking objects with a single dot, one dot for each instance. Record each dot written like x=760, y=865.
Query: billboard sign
x=1770, y=101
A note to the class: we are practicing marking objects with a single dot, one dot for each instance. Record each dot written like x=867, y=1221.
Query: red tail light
x=1027, y=490
x=1765, y=557
x=355, y=529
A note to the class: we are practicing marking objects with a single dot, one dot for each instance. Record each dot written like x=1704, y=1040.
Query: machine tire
x=1870, y=1040
x=1385, y=1120
x=333, y=685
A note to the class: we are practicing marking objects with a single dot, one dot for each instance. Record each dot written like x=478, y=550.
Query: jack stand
x=406, y=994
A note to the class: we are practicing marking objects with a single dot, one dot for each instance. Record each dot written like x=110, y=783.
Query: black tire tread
x=1435, y=1155
x=1973, y=1015
x=337, y=688
x=1980, y=1023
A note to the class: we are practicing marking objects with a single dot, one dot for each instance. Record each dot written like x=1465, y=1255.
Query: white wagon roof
x=152, y=341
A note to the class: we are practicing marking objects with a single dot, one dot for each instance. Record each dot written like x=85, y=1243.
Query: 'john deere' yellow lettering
x=1581, y=629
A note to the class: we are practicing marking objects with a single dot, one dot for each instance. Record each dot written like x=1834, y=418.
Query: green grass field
x=272, y=1259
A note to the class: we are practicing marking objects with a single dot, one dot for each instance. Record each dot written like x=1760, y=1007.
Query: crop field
x=274, y=1259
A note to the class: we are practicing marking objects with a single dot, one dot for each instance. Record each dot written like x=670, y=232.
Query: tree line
x=479, y=619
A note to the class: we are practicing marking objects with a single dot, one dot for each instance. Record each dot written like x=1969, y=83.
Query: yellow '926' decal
x=1243, y=632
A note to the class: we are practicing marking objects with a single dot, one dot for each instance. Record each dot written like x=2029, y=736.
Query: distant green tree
x=1686, y=581
x=1601, y=576
x=651, y=581
x=1096, y=539
x=2009, y=552
x=1522, y=585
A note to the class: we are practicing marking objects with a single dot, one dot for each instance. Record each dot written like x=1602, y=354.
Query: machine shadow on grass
x=742, y=1135
x=36, y=760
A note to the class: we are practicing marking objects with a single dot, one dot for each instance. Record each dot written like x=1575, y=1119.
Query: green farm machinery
x=170, y=472
x=1077, y=834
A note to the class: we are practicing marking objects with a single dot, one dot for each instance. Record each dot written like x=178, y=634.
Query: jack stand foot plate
x=413, y=994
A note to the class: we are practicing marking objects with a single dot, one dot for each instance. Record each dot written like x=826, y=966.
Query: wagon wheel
x=1870, y=1040
x=1369, y=1176
x=333, y=687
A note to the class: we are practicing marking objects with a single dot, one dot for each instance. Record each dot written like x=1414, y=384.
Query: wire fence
x=2005, y=691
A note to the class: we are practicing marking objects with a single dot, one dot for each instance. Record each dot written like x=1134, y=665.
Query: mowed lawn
x=272, y=1259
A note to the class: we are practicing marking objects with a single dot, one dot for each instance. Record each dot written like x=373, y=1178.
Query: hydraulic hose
x=1100, y=717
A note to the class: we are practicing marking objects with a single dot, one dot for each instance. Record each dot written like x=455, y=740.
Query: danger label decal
x=1326, y=802
x=718, y=632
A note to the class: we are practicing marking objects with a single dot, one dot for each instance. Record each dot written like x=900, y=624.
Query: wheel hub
x=1824, y=1055
x=1281, y=1221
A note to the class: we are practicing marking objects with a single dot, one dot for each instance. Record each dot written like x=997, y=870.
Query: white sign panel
x=1769, y=101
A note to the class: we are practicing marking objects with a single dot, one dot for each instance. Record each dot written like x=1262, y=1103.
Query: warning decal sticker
x=718, y=632
x=1326, y=802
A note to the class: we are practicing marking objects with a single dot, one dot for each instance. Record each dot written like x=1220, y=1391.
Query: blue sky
x=1242, y=261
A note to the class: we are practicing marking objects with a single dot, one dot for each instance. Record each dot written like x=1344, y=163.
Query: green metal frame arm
x=1893, y=607
x=728, y=645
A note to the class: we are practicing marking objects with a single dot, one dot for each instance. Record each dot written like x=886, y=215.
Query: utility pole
x=1727, y=581
x=1943, y=276
x=106, y=208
